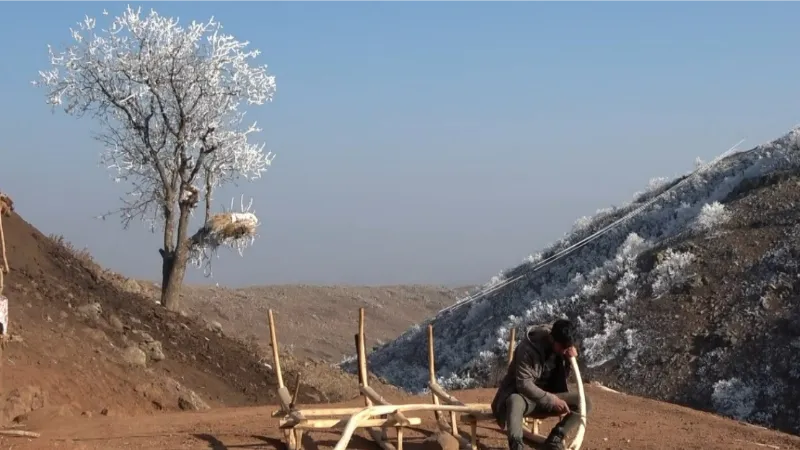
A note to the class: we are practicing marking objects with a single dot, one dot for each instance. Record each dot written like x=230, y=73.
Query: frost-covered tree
x=169, y=100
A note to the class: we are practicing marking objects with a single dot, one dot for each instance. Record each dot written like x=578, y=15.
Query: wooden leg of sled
x=289, y=439
x=2, y=344
x=3, y=245
x=380, y=438
x=535, y=426
x=473, y=435
x=399, y=438
x=432, y=372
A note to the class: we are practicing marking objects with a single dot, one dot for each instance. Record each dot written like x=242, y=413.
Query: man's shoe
x=554, y=442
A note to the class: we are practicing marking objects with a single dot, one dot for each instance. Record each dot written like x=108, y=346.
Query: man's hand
x=571, y=352
x=560, y=405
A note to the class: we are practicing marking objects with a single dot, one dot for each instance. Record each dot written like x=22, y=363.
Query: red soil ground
x=617, y=422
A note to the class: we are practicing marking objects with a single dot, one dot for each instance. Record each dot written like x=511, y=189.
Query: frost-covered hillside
x=693, y=299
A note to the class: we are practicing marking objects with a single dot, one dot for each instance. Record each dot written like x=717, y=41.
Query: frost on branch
x=671, y=271
x=711, y=215
x=168, y=98
x=734, y=398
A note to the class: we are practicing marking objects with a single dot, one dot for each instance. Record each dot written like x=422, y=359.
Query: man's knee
x=515, y=411
x=515, y=405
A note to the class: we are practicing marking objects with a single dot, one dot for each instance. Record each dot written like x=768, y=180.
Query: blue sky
x=422, y=142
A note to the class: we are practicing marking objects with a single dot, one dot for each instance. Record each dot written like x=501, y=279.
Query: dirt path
x=617, y=422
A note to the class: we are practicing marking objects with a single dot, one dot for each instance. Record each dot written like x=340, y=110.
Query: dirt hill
x=77, y=331
x=694, y=299
x=82, y=344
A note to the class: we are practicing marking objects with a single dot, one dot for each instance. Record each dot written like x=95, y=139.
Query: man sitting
x=536, y=384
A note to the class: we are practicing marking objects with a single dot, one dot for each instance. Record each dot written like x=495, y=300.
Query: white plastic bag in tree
x=3, y=315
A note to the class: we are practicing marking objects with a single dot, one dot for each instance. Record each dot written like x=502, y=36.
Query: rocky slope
x=694, y=300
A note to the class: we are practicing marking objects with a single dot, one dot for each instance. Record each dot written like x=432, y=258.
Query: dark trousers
x=518, y=407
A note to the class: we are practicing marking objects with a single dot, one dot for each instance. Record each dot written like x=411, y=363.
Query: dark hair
x=564, y=332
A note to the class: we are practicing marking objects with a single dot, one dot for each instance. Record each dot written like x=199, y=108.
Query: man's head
x=563, y=334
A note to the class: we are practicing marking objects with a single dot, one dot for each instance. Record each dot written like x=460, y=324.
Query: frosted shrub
x=652, y=186
x=710, y=216
x=630, y=250
x=581, y=224
x=671, y=271
x=599, y=348
x=733, y=398
x=348, y=359
x=633, y=344
x=533, y=258
x=606, y=345
x=656, y=183
x=494, y=281
x=455, y=382
x=698, y=163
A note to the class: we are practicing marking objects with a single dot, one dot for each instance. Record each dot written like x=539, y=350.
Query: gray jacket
x=534, y=371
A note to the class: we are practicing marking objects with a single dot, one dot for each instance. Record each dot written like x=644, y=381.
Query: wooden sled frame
x=294, y=422
x=483, y=411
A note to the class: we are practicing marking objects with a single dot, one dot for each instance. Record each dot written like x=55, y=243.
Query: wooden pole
x=296, y=390
x=3, y=332
x=362, y=355
x=276, y=359
x=432, y=371
x=3, y=244
x=380, y=436
x=3, y=269
x=432, y=375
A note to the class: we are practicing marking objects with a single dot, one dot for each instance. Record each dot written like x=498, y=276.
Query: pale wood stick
x=320, y=412
x=362, y=356
x=19, y=433
x=5, y=261
x=370, y=395
x=342, y=422
x=432, y=382
x=432, y=371
x=576, y=443
x=276, y=359
x=3, y=243
x=296, y=391
x=379, y=410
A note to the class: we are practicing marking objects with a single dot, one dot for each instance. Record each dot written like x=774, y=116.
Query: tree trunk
x=173, y=270
x=173, y=267
x=167, y=261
